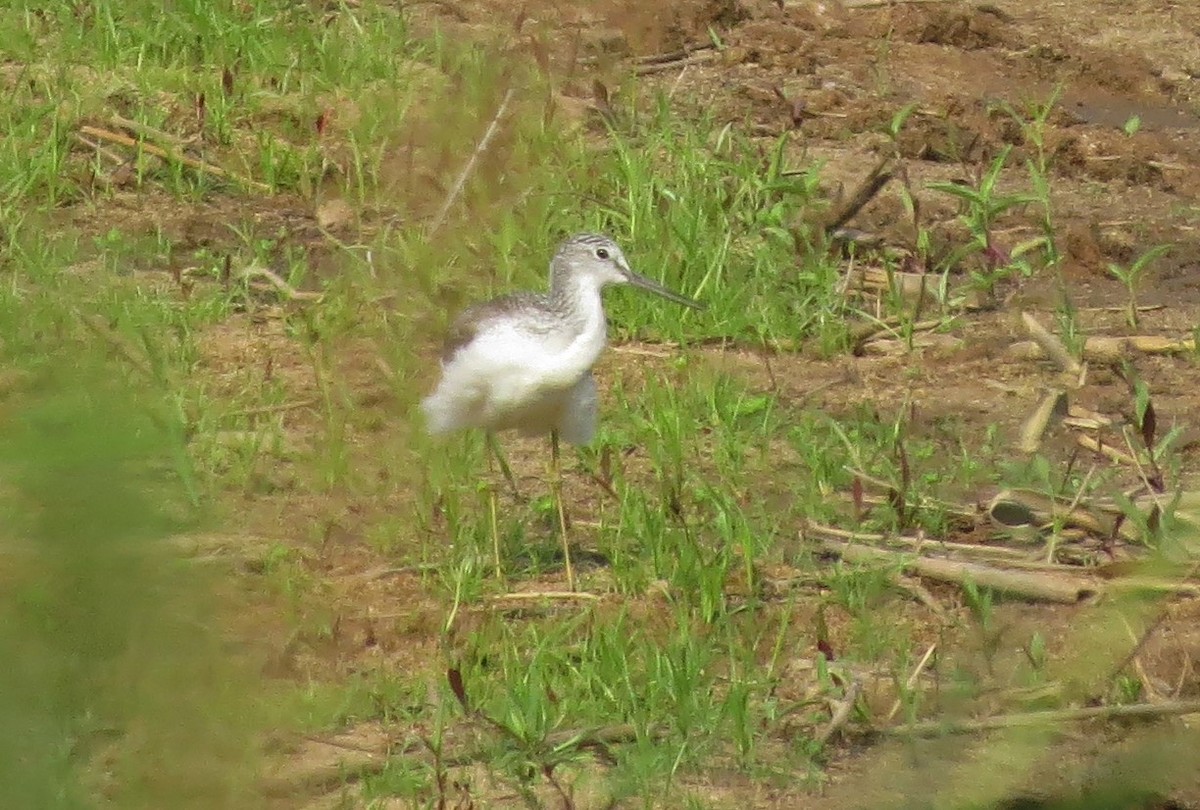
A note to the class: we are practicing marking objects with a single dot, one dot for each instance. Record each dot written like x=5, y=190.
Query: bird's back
x=493, y=366
x=517, y=309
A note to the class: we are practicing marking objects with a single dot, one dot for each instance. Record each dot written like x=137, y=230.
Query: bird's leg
x=495, y=534
x=556, y=486
x=494, y=448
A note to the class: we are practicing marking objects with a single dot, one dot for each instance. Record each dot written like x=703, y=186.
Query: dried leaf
x=454, y=676
x=856, y=491
x=905, y=482
x=800, y=112
x=1154, y=520
x=227, y=82
x=1149, y=425
x=601, y=98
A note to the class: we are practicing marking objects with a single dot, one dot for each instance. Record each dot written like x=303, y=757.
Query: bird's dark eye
x=601, y=253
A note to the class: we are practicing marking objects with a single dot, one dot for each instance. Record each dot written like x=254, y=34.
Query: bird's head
x=600, y=261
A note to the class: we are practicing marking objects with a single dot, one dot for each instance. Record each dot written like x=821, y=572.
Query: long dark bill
x=649, y=285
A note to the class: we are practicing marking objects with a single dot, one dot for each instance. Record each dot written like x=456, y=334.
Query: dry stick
x=659, y=58
x=532, y=596
x=1035, y=586
x=101, y=150
x=166, y=154
x=867, y=333
x=840, y=715
x=1008, y=555
x=287, y=290
x=145, y=130
x=480, y=148
x=1053, y=347
x=663, y=67
x=870, y=186
x=912, y=679
x=1053, y=406
x=1108, y=349
x=1028, y=719
x=919, y=592
x=1108, y=451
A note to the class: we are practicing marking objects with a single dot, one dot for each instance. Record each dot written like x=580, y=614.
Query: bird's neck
x=577, y=298
x=577, y=301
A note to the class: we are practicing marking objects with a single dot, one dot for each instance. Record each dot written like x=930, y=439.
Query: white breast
x=509, y=377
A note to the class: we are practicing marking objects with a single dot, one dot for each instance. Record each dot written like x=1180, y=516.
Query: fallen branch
x=1001, y=553
x=1030, y=719
x=1036, y=586
x=1052, y=346
x=1105, y=349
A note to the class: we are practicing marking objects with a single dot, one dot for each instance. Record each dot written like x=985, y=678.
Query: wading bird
x=524, y=361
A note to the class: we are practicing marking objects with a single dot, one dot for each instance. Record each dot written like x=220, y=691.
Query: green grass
x=152, y=389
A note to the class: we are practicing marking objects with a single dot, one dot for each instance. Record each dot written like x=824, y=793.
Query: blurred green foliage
x=117, y=687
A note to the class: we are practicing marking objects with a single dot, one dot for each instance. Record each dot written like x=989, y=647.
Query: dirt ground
x=835, y=74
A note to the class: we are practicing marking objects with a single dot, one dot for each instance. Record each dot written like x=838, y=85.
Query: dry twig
x=1030, y=719
x=841, y=714
x=170, y=155
x=1052, y=346
x=1038, y=586
x=480, y=148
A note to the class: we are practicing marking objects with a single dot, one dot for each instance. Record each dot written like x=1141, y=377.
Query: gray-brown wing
x=473, y=320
